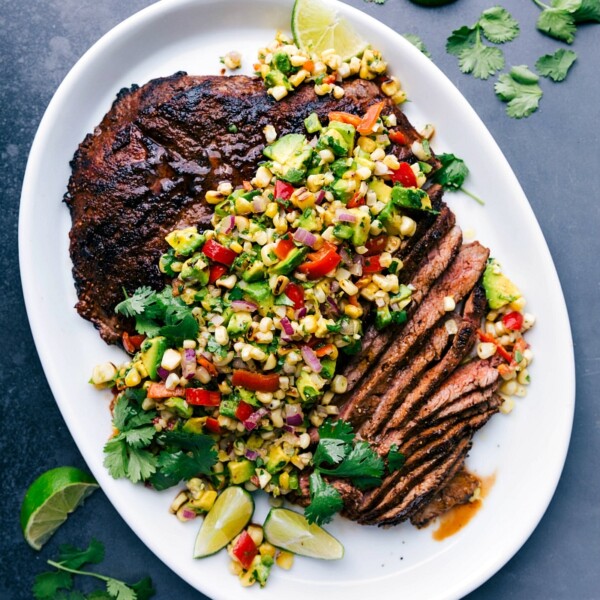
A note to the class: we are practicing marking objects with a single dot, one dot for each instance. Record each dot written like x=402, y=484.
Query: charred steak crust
x=146, y=168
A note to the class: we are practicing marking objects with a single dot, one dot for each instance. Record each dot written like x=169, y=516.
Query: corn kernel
x=285, y=560
x=407, y=226
x=449, y=304
x=103, y=373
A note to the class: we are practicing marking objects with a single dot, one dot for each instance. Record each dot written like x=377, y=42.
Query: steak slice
x=459, y=490
x=146, y=168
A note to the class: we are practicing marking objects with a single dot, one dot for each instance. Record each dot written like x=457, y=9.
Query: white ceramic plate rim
x=418, y=578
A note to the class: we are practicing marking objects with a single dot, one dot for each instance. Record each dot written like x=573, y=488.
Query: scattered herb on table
x=497, y=25
x=556, y=66
x=58, y=584
x=520, y=89
x=417, y=42
x=452, y=175
x=560, y=19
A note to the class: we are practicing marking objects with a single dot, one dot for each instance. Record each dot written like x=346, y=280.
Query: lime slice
x=290, y=531
x=317, y=26
x=228, y=516
x=50, y=499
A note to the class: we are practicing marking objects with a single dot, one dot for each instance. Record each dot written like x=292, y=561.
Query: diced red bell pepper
x=257, y=382
x=404, y=175
x=372, y=264
x=376, y=245
x=295, y=293
x=216, y=272
x=344, y=117
x=356, y=200
x=132, y=343
x=219, y=253
x=484, y=337
x=513, y=321
x=322, y=262
x=397, y=137
x=243, y=411
x=159, y=390
x=198, y=397
x=283, y=247
x=370, y=119
x=283, y=190
x=212, y=426
x=325, y=350
x=245, y=549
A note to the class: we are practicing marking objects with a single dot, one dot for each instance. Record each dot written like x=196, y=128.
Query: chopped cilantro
x=520, y=90
x=395, y=459
x=556, y=66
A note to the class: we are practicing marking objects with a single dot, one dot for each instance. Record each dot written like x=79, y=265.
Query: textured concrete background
x=555, y=154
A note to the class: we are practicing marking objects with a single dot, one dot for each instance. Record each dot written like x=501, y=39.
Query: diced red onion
x=294, y=420
x=259, y=204
x=345, y=256
x=252, y=421
x=243, y=305
x=301, y=313
x=356, y=268
x=229, y=224
x=162, y=372
x=303, y=236
x=320, y=197
x=345, y=217
x=310, y=358
x=290, y=410
x=188, y=364
x=287, y=326
x=333, y=305
x=251, y=454
x=186, y=513
x=289, y=428
x=218, y=320
x=335, y=286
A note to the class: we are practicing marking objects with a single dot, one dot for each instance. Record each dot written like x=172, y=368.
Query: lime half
x=291, y=531
x=229, y=515
x=50, y=499
x=317, y=26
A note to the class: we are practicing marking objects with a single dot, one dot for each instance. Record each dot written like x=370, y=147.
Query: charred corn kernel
x=419, y=151
x=399, y=97
x=178, y=502
x=278, y=92
x=323, y=88
x=485, y=350
x=327, y=156
x=297, y=462
x=449, y=303
x=132, y=378
x=297, y=78
x=507, y=406
x=368, y=292
x=270, y=133
x=521, y=391
x=205, y=500
x=338, y=92
x=141, y=369
x=348, y=287
x=221, y=335
x=523, y=377
x=236, y=247
x=354, y=312
x=227, y=282
x=363, y=173
x=354, y=65
x=103, y=373
x=225, y=188
x=378, y=154
x=391, y=162
x=390, y=86
x=509, y=387
x=285, y=560
x=315, y=182
x=213, y=197
x=272, y=210
x=344, y=70
x=284, y=480
x=270, y=363
x=339, y=384
x=262, y=178
x=309, y=324
x=528, y=355
x=518, y=304
x=407, y=226
x=320, y=68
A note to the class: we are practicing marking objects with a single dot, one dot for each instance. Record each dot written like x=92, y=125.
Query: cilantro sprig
x=520, y=90
x=58, y=584
x=556, y=66
x=497, y=25
x=452, y=174
x=560, y=18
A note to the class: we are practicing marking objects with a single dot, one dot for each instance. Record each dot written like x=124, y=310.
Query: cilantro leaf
x=498, y=25
x=143, y=589
x=460, y=39
x=46, y=585
x=340, y=430
x=325, y=500
x=361, y=462
x=395, y=458
x=141, y=464
x=73, y=557
x=417, y=42
x=119, y=590
x=452, y=173
x=522, y=98
x=556, y=66
x=588, y=11
x=123, y=460
x=137, y=303
x=330, y=451
x=482, y=61
x=558, y=19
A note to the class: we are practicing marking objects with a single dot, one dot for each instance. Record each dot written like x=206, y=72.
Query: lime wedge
x=317, y=26
x=290, y=531
x=49, y=500
x=229, y=515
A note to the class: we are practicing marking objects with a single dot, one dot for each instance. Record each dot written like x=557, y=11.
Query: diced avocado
x=239, y=323
x=342, y=190
x=276, y=460
x=361, y=227
x=276, y=77
x=499, y=289
x=328, y=370
x=293, y=153
x=343, y=231
x=312, y=123
x=390, y=218
x=281, y=61
x=228, y=407
x=337, y=137
x=180, y=406
x=306, y=387
x=258, y=291
x=293, y=482
x=255, y=272
x=196, y=268
x=194, y=425
x=382, y=191
x=291, y=262
x=152, y=352
x=240, y=471
x=310, y=220
x=411, y=198
x=383, y=317
x=248, y=397
x=353, y=347
x=224, y=208
x=340, y=166
x=261, y=569
x=166, y=261
x=185, y=241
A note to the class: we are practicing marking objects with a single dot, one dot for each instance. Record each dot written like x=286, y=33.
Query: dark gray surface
x=555, y=154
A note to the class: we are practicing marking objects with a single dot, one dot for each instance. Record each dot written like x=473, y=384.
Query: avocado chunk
x=382, y=191
x=293, y=153
x=261, y=567
x=194, y=425
x=240, y=471
x=152, y=353
x=391, y=218
x=290, y=263
x=307, y=388
x=255, y=272
x=328, y=370
x=412, y=198
x=180, y=406
x=312, y=123
x=196, y=268
x=276, y=460
x=310, y=220
x=276, y=77
x=337, y=137
x=281, y=61
x=499, y=289
x=342, y=190
x=185, y=241
x=239, y=323
x=258, y=291
x=228, y=407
